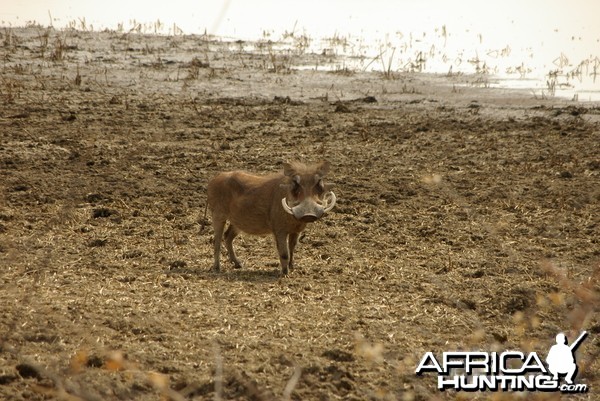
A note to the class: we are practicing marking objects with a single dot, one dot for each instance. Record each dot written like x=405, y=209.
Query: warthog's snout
x=309, y=218
x=310, y=209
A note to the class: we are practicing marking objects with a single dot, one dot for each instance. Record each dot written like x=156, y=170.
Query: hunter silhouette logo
x=561, y=357
x=508, y=370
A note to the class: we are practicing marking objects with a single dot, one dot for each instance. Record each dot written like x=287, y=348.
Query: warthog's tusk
x=328, y=206
x=286, y=206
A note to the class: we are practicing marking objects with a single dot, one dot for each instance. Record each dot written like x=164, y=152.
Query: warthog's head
x=307, y=198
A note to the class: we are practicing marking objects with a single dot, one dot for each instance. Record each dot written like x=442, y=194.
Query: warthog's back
x=244, y=199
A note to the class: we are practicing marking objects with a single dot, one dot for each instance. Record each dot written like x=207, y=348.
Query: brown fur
x=252, y=204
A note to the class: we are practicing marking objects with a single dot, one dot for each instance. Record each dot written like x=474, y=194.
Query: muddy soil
x=468, y=218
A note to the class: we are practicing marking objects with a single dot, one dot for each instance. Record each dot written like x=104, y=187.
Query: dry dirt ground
x=467, y=219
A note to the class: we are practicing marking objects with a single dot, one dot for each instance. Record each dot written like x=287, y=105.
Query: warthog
x=281, y=204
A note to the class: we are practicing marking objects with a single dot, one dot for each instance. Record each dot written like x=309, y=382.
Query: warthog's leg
x=230, y=235
x=218, y=226
x=282, y=248
x=292, y=242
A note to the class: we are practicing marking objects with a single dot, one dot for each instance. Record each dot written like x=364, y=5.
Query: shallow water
x=548, y=47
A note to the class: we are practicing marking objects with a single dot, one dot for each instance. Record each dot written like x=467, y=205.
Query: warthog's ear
x=288, y=169
x=323, y=168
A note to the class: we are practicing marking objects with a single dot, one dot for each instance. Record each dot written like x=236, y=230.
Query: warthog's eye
x=319, y=188
x=296, y=186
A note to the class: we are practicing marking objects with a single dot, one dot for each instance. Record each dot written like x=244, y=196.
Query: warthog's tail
x=204, y=222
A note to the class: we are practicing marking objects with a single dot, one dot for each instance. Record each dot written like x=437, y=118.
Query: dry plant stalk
x=587, y=301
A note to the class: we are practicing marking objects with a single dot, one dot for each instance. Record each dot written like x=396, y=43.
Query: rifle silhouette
x=578, y=341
